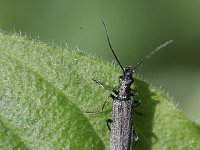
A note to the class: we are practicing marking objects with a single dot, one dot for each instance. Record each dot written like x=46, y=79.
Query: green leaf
x=45, y=90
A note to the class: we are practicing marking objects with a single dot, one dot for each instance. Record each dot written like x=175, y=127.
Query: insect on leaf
x=45, y=90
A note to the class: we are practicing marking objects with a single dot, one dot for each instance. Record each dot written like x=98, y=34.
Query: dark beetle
x=122, y=122
x=122, y=131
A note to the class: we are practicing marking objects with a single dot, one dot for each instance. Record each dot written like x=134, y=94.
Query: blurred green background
x=135, y=26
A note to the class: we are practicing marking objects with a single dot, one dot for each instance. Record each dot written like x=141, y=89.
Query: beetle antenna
x=152, y=53
x=111, y=47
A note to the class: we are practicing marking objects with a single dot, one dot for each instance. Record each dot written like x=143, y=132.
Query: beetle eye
x=120, y=78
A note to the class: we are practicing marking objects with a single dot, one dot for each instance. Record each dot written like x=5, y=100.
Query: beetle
x=123, y=105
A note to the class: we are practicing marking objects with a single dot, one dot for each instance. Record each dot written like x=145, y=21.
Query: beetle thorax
x=125, y=83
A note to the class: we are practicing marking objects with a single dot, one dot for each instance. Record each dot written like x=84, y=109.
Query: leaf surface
x=45, y=90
